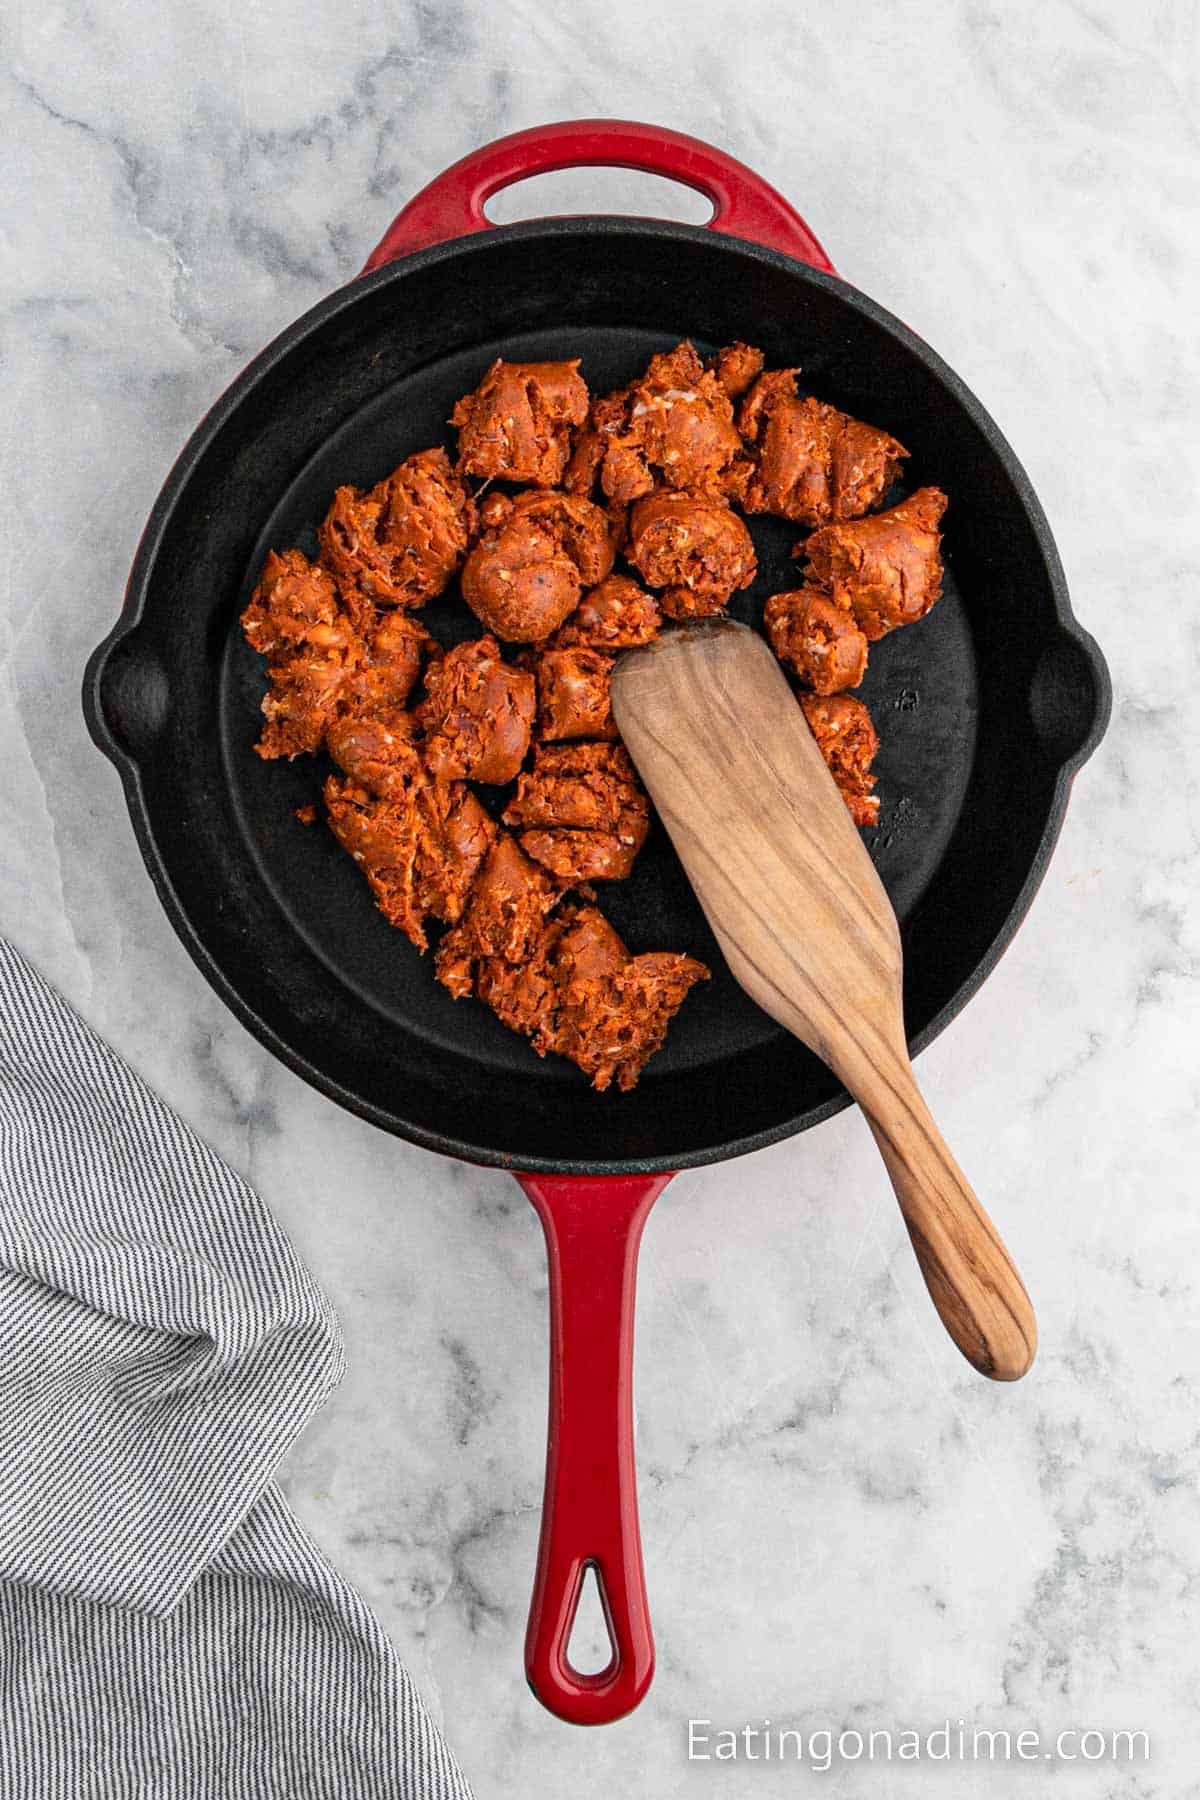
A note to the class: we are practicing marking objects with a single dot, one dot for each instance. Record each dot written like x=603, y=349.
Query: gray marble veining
x=843, y=1525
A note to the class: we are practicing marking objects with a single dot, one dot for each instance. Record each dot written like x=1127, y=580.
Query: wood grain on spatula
x=808, y=931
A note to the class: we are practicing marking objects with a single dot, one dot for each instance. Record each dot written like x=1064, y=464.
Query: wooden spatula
x=808, y=931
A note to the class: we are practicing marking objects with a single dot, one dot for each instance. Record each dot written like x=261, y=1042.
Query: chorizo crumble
x=655, y=472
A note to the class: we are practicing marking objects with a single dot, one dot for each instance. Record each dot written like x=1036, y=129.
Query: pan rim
x=175, y=487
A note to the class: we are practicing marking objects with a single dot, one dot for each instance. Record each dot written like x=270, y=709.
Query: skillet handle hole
x=563, y=192
x=591, y=1649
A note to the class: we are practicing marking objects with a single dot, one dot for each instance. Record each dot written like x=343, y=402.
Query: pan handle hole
x=601, y=190
x=590, y=1646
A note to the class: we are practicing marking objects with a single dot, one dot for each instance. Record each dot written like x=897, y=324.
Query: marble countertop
x=843, y=1524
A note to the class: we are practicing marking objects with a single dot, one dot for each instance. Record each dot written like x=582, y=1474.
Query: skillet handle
x=744, y=205
x=593, y=1225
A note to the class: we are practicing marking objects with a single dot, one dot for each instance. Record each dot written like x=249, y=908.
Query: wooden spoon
x=808, y=931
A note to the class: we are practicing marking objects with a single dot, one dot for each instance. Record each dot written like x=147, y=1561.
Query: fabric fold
x=190, y=1346
x=167, y=1629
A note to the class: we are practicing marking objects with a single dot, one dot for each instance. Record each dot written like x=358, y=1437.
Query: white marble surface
x=843, y=1524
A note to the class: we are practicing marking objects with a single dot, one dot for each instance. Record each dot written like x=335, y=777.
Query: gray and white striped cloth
x=167, y=1629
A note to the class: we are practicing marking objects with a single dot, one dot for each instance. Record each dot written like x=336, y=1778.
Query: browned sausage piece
x=400, y=543
x=381, y=836
x=396, y=646
x=379, y=753
x=516, y=426
x=817, y=639
x=814, y=463
x=737, y=367
x=581, y=995
x=674, y=426
x=537, y=554
x=583, y=467
x=466, y=834
x=887, y=570
x=693, y=548
x=419, y=844
x=581, y=812
x=847, y=740
x=292, y=596
x=503, y=918
x=573, y=695
x=478, y=713
x=617, y=615
x=312, y=650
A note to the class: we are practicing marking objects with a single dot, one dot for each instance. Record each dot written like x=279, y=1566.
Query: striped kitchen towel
x=167, y=1629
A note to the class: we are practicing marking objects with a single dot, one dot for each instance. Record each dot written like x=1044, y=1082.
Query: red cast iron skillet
x=985, y=710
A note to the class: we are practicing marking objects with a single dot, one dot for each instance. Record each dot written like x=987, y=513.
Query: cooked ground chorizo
x=503, y=919
x=517, y=424
x=737, y=367
x=292, y=596
x=400, y=543
x=478, y=714
x=693, y=548
x=617, y=615
x=847, y=740
x=817, y=639
x=573, y=694
x=886, y=569
x=396, y=646
x=583, y=467
x=379, y=753
x=381, y=836
x=312, y=650
x=581, y=995
x=674, y=426
x=466, y=835
x=814, y=464
x=420, y=845
x=581, y=811
x=537, y=554
x=651, y=469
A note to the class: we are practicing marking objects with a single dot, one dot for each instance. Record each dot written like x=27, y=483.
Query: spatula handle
x=969, y=1274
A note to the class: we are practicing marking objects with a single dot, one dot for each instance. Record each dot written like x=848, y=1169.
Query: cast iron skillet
x=985, y=710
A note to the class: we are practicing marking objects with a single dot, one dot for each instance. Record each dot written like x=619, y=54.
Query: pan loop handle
x=593, y=1226
x=744, y=205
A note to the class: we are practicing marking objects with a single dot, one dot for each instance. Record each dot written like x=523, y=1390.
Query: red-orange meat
x=478, y=714
x=814, y=464
x=401, y=542
x=886, y=570
x=675, y=427
x=380, y=753
x=617, y=615
x=581, y=995
x=395, y=649
x=536, y=555
x=581, y=811
x=517, y=424
x=694, y=549
x=503, y=918
x=420, y=845
x=573, y=694
x=737, y=367
x=847, y=740
x=583, y=467
x=312, y=650
x=817, y=639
